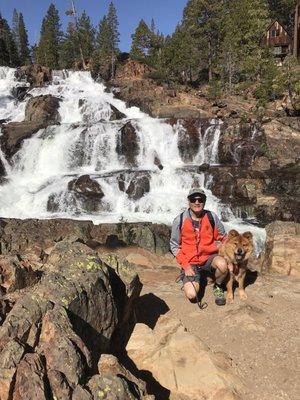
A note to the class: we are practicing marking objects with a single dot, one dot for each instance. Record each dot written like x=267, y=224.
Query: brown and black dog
x=237, y=249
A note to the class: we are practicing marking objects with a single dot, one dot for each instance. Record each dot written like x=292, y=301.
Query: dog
x=236, y=249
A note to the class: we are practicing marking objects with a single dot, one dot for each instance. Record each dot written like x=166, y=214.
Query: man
x=193, y=243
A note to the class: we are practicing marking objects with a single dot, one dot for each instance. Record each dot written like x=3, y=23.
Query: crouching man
x=193, y=243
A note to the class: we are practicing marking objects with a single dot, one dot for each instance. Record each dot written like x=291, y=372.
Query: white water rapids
x=85, y=143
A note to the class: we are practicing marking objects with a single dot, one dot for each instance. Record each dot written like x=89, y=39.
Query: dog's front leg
x=229, y=287
x=241, y=282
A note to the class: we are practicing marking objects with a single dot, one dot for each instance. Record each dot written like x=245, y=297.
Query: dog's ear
x=233, y=233
x=247, y=235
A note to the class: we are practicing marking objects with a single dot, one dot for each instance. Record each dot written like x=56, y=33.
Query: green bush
x=158, y=76
x=214, y=90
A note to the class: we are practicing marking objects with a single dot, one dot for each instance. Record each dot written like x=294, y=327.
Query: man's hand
x=189, y=271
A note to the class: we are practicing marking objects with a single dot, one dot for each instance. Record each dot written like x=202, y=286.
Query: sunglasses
x=199, y=199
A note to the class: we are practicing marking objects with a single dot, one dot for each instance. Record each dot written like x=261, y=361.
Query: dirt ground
x=260, y=335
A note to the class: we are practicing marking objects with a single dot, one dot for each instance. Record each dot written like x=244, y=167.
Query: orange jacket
x=190, y=247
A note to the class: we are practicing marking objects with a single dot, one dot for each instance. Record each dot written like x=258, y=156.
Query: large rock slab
x=35, y=74
x=15, y=275
x=40, y=112
x=9, y=359
x=127, y=144
x=134, y=184
x=39, y=236
x=43, y=109
x=31, y=379
x=57, y=330
x=241, y=143
x=180, y=362
x=115, y=382
x=87, y=191
x=14, y=133
x=282, y=249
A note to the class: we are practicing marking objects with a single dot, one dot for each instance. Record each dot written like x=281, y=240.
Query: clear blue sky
x=166, y=14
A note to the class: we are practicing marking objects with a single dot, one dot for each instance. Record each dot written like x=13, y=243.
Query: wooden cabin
x=279, y=39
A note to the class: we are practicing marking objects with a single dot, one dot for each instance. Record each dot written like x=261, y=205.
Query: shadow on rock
x=149, y=308
x=152, y=385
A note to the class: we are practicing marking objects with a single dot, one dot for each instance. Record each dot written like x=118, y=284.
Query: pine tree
x=283, y=11
x=103, y=41
x=152, y=28
x=24, y=52
x=141, y=41
x=4, y=54
x=86, y=34
x=8, y=48
x=245, y=23
x=107, y=41
x=203, y=20
x=157, y=41
x=15, y=29
x=112, y=21
x=70, y=47
x=50, y=41
x=179, y=61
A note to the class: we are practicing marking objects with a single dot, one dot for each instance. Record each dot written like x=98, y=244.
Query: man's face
x=196, y=203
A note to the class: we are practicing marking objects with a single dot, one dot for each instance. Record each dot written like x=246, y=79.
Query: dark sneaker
x=219, y=296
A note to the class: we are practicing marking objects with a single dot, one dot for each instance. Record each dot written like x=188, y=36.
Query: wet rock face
x=241, y=144
x=43, y=109
x=188, y=136
x=19, y=92
x=86, y=186
x=2, y=169
x=272, y=194
x=40, y=112
x=14, y=133
x=138, y=186
x=127, y=145
x=237, y=186
x=35, y=74
x=188, y=143
x=88, y=191
x=116, y=114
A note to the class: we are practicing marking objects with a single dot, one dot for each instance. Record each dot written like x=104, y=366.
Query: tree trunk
x=210, y=73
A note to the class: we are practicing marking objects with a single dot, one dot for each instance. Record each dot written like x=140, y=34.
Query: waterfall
x=9, y=109
x=86, y=142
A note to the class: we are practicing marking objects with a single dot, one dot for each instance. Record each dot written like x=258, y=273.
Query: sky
x=166, y=14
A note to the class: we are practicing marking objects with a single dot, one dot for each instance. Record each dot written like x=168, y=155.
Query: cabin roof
x=273, y=22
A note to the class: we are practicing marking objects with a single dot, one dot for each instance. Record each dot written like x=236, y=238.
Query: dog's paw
x=229, y=298
x=242, y=295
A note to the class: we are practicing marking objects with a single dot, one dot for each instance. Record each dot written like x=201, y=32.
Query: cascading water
x=9, y=108
x=85, y=143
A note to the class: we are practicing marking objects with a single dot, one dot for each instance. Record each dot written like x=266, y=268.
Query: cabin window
x=274, y=32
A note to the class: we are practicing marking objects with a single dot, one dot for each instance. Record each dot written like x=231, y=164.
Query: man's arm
x=175, y=247
x=219, y=231
x=175, y=237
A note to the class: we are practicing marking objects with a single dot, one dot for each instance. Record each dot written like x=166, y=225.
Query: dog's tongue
x=238, y=256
